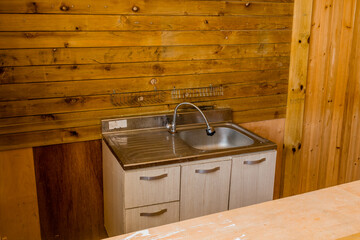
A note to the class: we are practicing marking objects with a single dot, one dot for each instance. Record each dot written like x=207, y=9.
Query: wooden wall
x=70, y=190
x=19, y=213
x=324, y=148
x=62, y=60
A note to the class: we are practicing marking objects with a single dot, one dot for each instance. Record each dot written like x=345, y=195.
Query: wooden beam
x=296, y=96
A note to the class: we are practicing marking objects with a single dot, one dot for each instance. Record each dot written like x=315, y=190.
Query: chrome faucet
x=172, y=127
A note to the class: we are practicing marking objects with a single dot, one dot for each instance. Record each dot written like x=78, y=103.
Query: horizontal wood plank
x=159, y=7
x=139, y=38
x=42, y=138
x=33, y=57
x=56, y=22
x=78, y=134
x=84, y=103
x=122, y=70
x=108, y=86
x=259, y=114
x=87, y=118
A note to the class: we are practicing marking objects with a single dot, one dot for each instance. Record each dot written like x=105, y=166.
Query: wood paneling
x=53, y=22
x=296, y=94
x=19, y=214
x=124, y=70
x=69, y=186
x=158, y=7
x=60, y=65
x=330, y=143
x=102, y=55
x=136, y=38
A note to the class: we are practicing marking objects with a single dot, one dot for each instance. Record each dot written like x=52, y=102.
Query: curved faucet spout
x=172, y=128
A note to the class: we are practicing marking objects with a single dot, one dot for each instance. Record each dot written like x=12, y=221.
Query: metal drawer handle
x=254, y=162
x=153, y=178
x=207, y=170
x=143, y=214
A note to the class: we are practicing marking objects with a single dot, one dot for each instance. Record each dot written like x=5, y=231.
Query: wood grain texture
x=136, y=38
x=105, y=55
x=274, y=131
x=125, y=70
x=45, y=90
x=63, y=61
x=330, y=144
x=69, y=186
x=159, y=7
x=296, y=95
x=98, y=102
x=19, y=218
x=54, y=22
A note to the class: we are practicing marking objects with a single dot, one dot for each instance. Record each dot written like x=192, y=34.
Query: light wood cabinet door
x=252, y=179
x=151, y=216
x=204, y=189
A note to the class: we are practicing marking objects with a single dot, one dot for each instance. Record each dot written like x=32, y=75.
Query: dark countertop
x=156, y=146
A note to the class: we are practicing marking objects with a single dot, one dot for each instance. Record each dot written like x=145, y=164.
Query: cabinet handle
x=254, y=162
x=153, y=178
x=143, y=214
x=207, y=170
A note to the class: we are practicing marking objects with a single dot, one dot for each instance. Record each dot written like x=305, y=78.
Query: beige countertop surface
x=330, y=213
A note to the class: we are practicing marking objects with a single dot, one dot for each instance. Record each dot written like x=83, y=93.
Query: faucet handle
x=171, y=128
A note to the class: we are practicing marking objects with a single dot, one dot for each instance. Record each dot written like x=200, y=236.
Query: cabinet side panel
x=113, y=193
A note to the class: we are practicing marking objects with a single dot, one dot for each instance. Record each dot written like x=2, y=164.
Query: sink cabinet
x=153, y=196
x=204, y=188
x=138, y=199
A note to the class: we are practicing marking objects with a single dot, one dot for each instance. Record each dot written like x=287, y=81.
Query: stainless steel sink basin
x=224, y=138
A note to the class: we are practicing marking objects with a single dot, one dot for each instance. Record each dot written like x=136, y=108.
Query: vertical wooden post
x=296, y=96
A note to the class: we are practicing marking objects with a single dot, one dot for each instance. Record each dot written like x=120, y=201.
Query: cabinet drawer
x=204, y=189
x=252, y=179
x=151, y=216
x=149, y=187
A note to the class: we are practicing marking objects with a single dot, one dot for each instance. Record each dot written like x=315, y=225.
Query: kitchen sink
x=224, y=138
